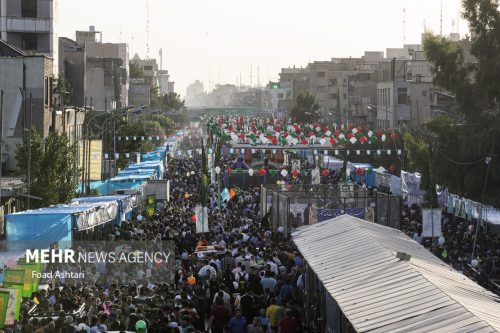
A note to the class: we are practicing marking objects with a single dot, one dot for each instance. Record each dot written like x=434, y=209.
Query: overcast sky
x=222, y=38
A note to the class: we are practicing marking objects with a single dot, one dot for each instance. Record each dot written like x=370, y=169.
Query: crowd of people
x=251, y=280
x=457, y=243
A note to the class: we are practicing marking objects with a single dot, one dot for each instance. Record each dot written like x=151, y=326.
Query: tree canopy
x=460, y=145
x=305, y=109
x=53, y=167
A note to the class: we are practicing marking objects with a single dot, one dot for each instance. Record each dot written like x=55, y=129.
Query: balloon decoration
x=193, y=218
x=250, y=172
x=284, y=172
x=262, y=172
x=392, y=168
x=191, y=281
x=360, y=171
x=325, y=172
x=186, y=196
x=295, y=173
x=441, y=240
x=369, y=171
x=139, y=218
x=474, y=263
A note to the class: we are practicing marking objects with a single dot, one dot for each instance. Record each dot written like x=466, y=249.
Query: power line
x=459, y=163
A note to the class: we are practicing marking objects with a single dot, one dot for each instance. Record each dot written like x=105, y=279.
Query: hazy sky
x=224, y=38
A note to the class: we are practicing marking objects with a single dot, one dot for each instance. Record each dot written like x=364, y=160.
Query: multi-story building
x=195, y=94
x=139, y=92
x=149, y=66
x=31, y=26
x=27, y=82
x=163, y=79
x=72, y=67
x=298, y=79
x=279, y=93
x=330, y=83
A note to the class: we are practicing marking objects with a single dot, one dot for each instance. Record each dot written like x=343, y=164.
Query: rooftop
x=357, y=264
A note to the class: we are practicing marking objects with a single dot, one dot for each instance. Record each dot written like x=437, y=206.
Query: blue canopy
x=137, y=172
x=130, y=178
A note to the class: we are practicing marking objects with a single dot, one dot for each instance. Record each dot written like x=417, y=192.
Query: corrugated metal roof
x=356, y=261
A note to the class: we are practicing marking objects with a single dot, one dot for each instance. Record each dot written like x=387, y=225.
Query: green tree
x=53, y=167
x=305, y=109
x=172, y=101
x=461, y=144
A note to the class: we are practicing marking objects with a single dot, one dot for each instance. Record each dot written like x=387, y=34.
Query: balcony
x=32, y=25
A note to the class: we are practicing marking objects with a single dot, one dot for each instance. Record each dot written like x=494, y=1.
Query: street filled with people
x=252, y=282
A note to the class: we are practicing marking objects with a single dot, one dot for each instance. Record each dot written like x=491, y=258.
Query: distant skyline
x=216, y=41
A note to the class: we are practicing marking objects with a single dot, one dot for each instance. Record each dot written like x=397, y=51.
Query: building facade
x=139, y=93
x=27, y=82
x=195, y=94
x=31, y=26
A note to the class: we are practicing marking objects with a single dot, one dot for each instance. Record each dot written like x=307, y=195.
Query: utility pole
x=488, y=161
x=29, y=153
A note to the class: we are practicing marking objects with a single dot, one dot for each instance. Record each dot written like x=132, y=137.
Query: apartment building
x=31, y=26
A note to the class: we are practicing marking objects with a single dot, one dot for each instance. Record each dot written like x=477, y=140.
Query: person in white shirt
x=272, y=265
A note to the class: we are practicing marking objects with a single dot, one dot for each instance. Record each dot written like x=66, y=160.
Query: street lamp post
x=217, y=172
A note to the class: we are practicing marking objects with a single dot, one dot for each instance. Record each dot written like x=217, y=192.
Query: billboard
x=95, y=158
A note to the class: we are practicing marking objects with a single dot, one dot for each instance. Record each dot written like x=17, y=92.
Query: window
x=281, y=95
x=29, y=42
x=321, y=88
x=402, y=96
x=345, y=96
x=148, y=68
x=28, y=8
x=332, y=82
x=321, y=103
x=333, y=96
x=321, y=74
x=424, y=93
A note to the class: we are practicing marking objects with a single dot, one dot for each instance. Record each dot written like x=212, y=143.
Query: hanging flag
x=388, y=152
x=224, y=195
x=119, y=138
x=127, y=155
x=142, y=138
x=105, y=156
x=135, y=138
x=117, y=155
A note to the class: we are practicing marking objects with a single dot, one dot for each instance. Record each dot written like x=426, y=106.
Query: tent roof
x=357, y=264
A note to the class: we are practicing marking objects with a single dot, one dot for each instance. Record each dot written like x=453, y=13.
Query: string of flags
x=152, y=137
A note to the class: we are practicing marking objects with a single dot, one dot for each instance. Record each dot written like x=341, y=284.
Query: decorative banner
x=201, y=219
x=150, y=210
x=327, y=214
x=10, y=316
x=150, y=199
x=4, y=305
x=431, y=222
